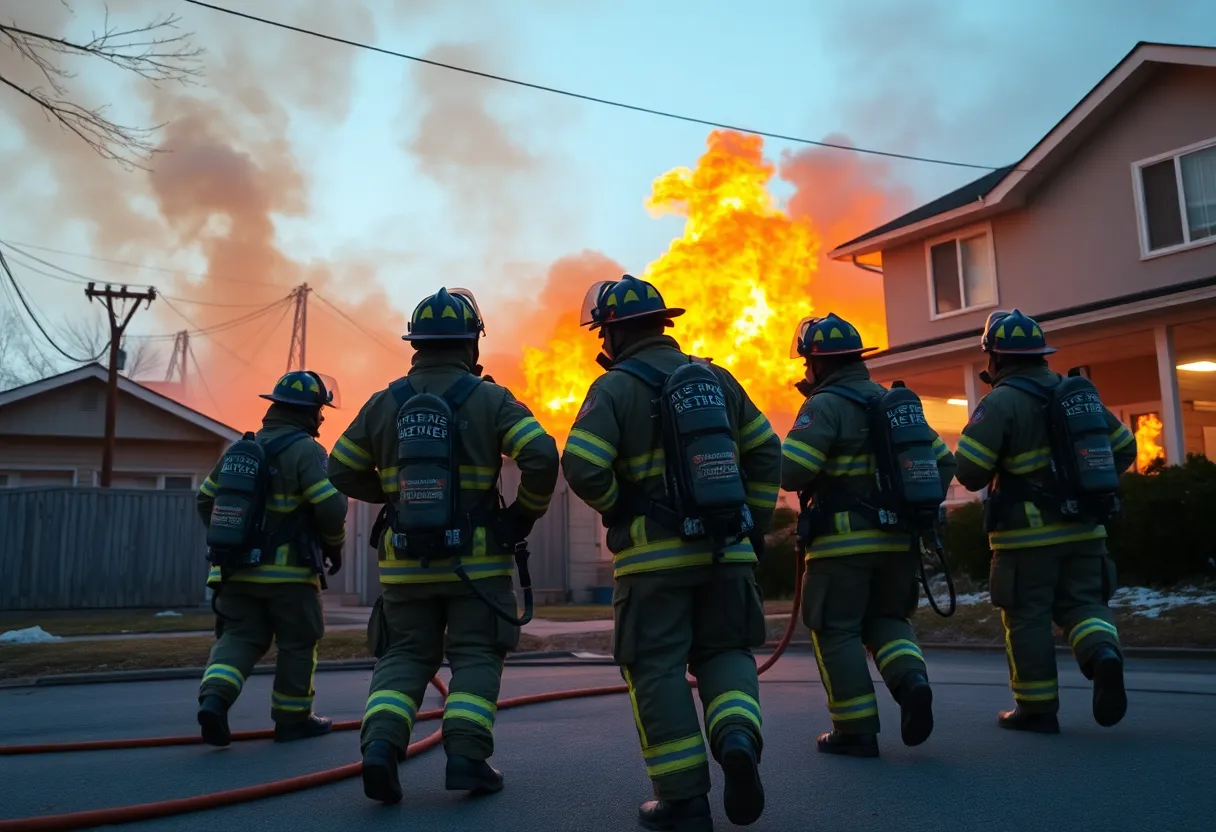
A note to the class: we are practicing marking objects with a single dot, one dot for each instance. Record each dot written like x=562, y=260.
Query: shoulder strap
x=401, y=390
x=636, y=367
x=460, y=390
x=848, y=393
x=279, y=444
x=1026, y=386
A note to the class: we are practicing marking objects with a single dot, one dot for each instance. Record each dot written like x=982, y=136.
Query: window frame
x=956, y=236
x=1141, y=215
x=160, y=477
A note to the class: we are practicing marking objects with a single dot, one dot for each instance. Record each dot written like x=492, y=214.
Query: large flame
x=1148, y=428
x=743, y=269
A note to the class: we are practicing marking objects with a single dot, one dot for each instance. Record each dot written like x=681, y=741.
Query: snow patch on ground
x=168, y=614
x=30, y=635
x=1151, y=602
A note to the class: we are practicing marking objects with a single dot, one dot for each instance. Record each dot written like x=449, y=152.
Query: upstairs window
x=962, y=272
x=1176, y=198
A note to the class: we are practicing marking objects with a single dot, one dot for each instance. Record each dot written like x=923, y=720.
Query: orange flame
x=743, y=269
x=1148, y=428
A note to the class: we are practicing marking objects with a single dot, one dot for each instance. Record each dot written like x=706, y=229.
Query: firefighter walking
x=678, y=607
x=257, y=602
x=1046, y=566
x=423, y=599
x=861, y=578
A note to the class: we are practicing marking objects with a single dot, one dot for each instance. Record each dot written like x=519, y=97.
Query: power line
x=355, y=324
x=199, y=370
x=590, y=98
x=21, y=296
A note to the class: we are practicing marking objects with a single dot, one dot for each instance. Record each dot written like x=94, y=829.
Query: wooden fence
x=91, y=548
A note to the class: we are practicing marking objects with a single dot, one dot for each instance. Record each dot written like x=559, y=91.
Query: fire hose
x=231, y=797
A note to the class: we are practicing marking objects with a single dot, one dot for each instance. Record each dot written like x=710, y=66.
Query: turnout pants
x=1069, y=584
x=854, y=604
x=251, y=616
x=704, y=621
x=407, y=636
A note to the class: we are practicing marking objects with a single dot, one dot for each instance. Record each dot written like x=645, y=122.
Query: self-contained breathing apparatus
x=702, y=478
x=907, y=494
x=1082, y=482
x=426, y=522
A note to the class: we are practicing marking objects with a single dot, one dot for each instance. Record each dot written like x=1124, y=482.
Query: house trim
x=1153, y=300
x=158, y=473
x=957, y=236
x=1141, y=208
x=1007, y=193
x=126, y=385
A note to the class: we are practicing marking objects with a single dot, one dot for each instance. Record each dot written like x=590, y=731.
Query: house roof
x=126, y=385
x=1010, y=186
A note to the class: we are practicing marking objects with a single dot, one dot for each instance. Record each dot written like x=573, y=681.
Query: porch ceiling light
x=963, y=402
x=1199, y=367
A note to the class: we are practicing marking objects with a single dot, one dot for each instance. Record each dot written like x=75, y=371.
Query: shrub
x=964, y=543
x=776, y=572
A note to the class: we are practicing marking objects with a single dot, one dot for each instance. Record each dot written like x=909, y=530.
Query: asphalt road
x=576, y=765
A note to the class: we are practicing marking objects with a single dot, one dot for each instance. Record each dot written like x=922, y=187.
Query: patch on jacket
x=588, y=403
x=323, y=455
x=804, y=420
x=977, y=415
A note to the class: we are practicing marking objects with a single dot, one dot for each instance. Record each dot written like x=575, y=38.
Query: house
x=1103, y=232
x=52, y=432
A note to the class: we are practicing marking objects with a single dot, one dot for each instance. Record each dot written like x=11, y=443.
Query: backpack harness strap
x=826, y=505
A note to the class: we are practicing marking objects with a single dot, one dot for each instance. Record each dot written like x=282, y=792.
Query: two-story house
x=1104, y=232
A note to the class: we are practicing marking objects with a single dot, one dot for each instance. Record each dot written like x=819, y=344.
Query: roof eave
x=916, y=231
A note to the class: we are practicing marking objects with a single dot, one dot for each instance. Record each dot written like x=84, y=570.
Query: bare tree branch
x=91, y=336
x=21, y=362
x=154, y=52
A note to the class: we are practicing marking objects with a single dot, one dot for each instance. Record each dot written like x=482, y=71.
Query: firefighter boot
x=915, y=699
x=1019, y=720
x=1110, y=697
x=314, y=726
x=689, y=815
x=213, y=720
x=468, y=775
x=850, y=745
x=743, y=797
x=380, y=781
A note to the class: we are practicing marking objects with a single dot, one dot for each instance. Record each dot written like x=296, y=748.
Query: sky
x=379, y=179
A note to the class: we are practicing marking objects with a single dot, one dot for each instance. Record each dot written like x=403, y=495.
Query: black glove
x=333, y=558
x=519, y=522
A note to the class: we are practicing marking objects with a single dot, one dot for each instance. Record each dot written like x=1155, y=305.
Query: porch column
x=1171, y=407
x=971, y=386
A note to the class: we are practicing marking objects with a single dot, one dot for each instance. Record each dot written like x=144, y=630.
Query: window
x=1177, y=200
x=178, y=482
x=962, y=273
x=3, y=480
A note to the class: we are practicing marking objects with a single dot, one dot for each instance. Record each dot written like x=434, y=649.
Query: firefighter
x=861, y=580
x=421, y=600
x=279, y=601
x=675, y=609
x=1045, y=567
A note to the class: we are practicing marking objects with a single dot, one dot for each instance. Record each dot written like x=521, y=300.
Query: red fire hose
x=231, y=797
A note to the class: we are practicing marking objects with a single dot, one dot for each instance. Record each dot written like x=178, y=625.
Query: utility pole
x=179, y=363
x=110, y=295
x=299, y=329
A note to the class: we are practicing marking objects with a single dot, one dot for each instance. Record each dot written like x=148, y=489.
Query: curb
x=551, y=658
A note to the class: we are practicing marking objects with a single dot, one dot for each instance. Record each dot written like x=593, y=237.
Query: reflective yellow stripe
x=533, y=502
x=981, y=455
x=477, y=477
x=859, y=707
x=269, y=574
x=208, y=488
x=856, y=543
x=608, y=500
x=763, y=494
x=472, y=708
x=525, y=430
x=225, y=673
x=335, y=539
x=893, y=650
x=351, y=455
x=755, y=433
x=678, y=755
x=319, y=491
x=1045, y=690
x=393, y=571
x=1027, y=462
x=599, y=452
x=391, y=702
x=803, y=454
x=675, y=553
x=292, y=704
x=861, y=465
x=732, y=703
x=638, y=468
x=1048, y=535
x=1120, y=438
x=1089, y=627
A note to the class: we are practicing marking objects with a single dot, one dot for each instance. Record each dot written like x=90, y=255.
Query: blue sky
x=978, y=81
